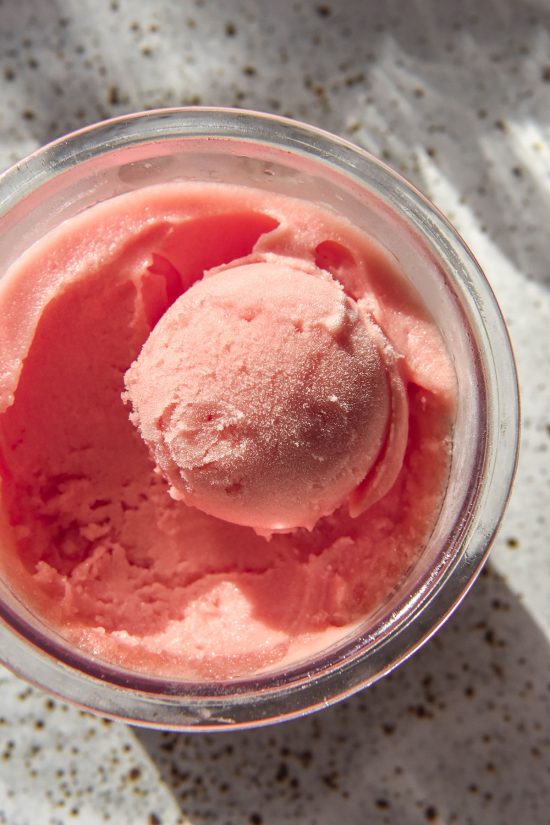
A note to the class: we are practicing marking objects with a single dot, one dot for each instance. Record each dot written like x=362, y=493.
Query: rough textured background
x=457, y=97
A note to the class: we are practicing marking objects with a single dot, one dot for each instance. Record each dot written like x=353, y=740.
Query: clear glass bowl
x=276, y=154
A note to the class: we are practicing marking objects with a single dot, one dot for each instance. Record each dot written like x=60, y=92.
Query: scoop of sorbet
x=264, y=394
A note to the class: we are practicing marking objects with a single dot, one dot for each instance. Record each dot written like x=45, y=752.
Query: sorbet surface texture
x=112, y=551
x=263, y=395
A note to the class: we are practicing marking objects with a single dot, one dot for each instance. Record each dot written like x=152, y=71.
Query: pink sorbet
x=266, y=395
x=274, y=465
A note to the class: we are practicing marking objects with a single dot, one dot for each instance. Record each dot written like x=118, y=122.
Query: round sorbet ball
x=263, y=394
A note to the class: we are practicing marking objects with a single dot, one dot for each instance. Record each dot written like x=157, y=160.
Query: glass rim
x=303, y=688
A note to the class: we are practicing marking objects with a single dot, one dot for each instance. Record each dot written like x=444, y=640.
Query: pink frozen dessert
x=225, y=429
x=266, y=395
